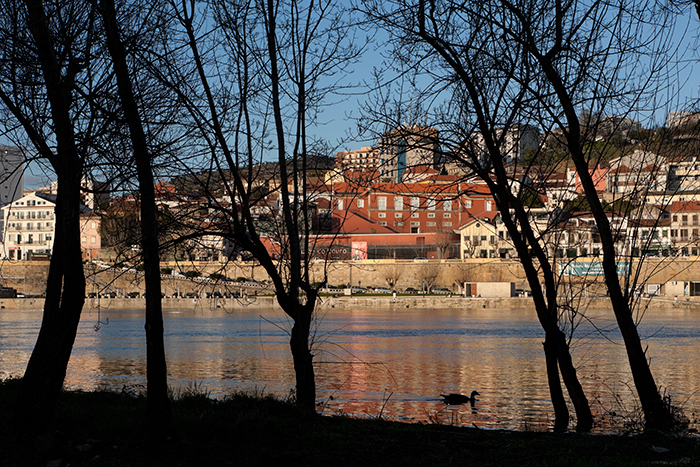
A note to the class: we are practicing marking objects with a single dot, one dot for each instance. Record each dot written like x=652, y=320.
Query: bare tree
x=46, y=52
x=157, y=385
x=277, y=57
x=443, y=242
x=392, y=275
x=482, y=110
x=546, y=55
x=508, y=65
x=428, y=273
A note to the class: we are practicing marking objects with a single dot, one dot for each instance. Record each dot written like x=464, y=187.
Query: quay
x=383, y=302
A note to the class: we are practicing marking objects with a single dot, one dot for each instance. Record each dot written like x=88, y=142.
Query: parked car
x=440, y=290
x=110, y=295
x=382, y=290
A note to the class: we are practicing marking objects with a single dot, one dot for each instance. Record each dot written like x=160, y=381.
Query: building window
x=415, y=230
x=447, y=224
x=430, y=204
x=414, y=224
x=431, y=215
x=84, y=239
x=414, y=215
x=381, y=203
x=398, y=214
x=447, y=205
x=431, y=224
x=383, y=223
x=467, y=203
x=398, y=203
x=487, y=205
x=360, y=203
x=415, y=202
x=382, y=214
x=398, y=224
x=447, y=215
x=93, y=240
x=340, y=205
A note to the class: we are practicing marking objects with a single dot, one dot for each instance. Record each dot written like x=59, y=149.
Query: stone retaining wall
x=29, y=277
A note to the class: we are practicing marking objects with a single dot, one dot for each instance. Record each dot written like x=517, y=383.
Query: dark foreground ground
x=107, y=429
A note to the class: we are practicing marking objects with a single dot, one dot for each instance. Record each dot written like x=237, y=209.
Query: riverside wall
x=29, y=277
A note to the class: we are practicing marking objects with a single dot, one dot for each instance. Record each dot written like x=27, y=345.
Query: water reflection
x=370, y=362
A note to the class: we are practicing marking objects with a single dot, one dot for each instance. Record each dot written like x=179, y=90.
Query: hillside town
x=404, y=198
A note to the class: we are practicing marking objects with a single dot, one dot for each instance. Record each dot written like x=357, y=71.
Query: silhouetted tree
x=43, y=88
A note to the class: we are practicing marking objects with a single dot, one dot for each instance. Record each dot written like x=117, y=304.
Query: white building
x=30, y=222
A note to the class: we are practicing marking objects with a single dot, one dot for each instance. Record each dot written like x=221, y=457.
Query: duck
x=458, y=399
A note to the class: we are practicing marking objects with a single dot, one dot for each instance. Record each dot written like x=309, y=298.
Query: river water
x=393, y=363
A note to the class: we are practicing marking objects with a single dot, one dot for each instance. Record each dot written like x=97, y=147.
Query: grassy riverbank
x=107, y=429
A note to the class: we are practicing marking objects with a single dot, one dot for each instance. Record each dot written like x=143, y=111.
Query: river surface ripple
x=393, y=363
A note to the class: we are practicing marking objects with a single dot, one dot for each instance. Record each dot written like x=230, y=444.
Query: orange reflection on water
x=393, y=363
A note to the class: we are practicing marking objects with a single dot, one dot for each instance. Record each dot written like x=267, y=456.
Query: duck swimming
x=458, y=399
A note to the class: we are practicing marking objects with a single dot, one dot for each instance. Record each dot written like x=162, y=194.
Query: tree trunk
x=561, y=411
x=584, y=417
x=303, y=361
x=657, y=415
x=158, y=404
x=65, y=288
x=65, y=295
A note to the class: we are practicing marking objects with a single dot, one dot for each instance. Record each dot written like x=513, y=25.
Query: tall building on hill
x=513, y=141
x=406, y=147
x=11, y=178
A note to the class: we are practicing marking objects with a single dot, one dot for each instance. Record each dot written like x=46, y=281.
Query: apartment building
x=365, y=159
x=406, y=147
x=30, y=223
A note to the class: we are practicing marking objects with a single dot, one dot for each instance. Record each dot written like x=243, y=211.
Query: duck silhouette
x=458, y=399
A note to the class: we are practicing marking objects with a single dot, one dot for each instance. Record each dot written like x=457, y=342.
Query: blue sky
x=337, y=123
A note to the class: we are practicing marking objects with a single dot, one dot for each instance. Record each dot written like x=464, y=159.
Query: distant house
x=90, y=239
x=480, y=238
